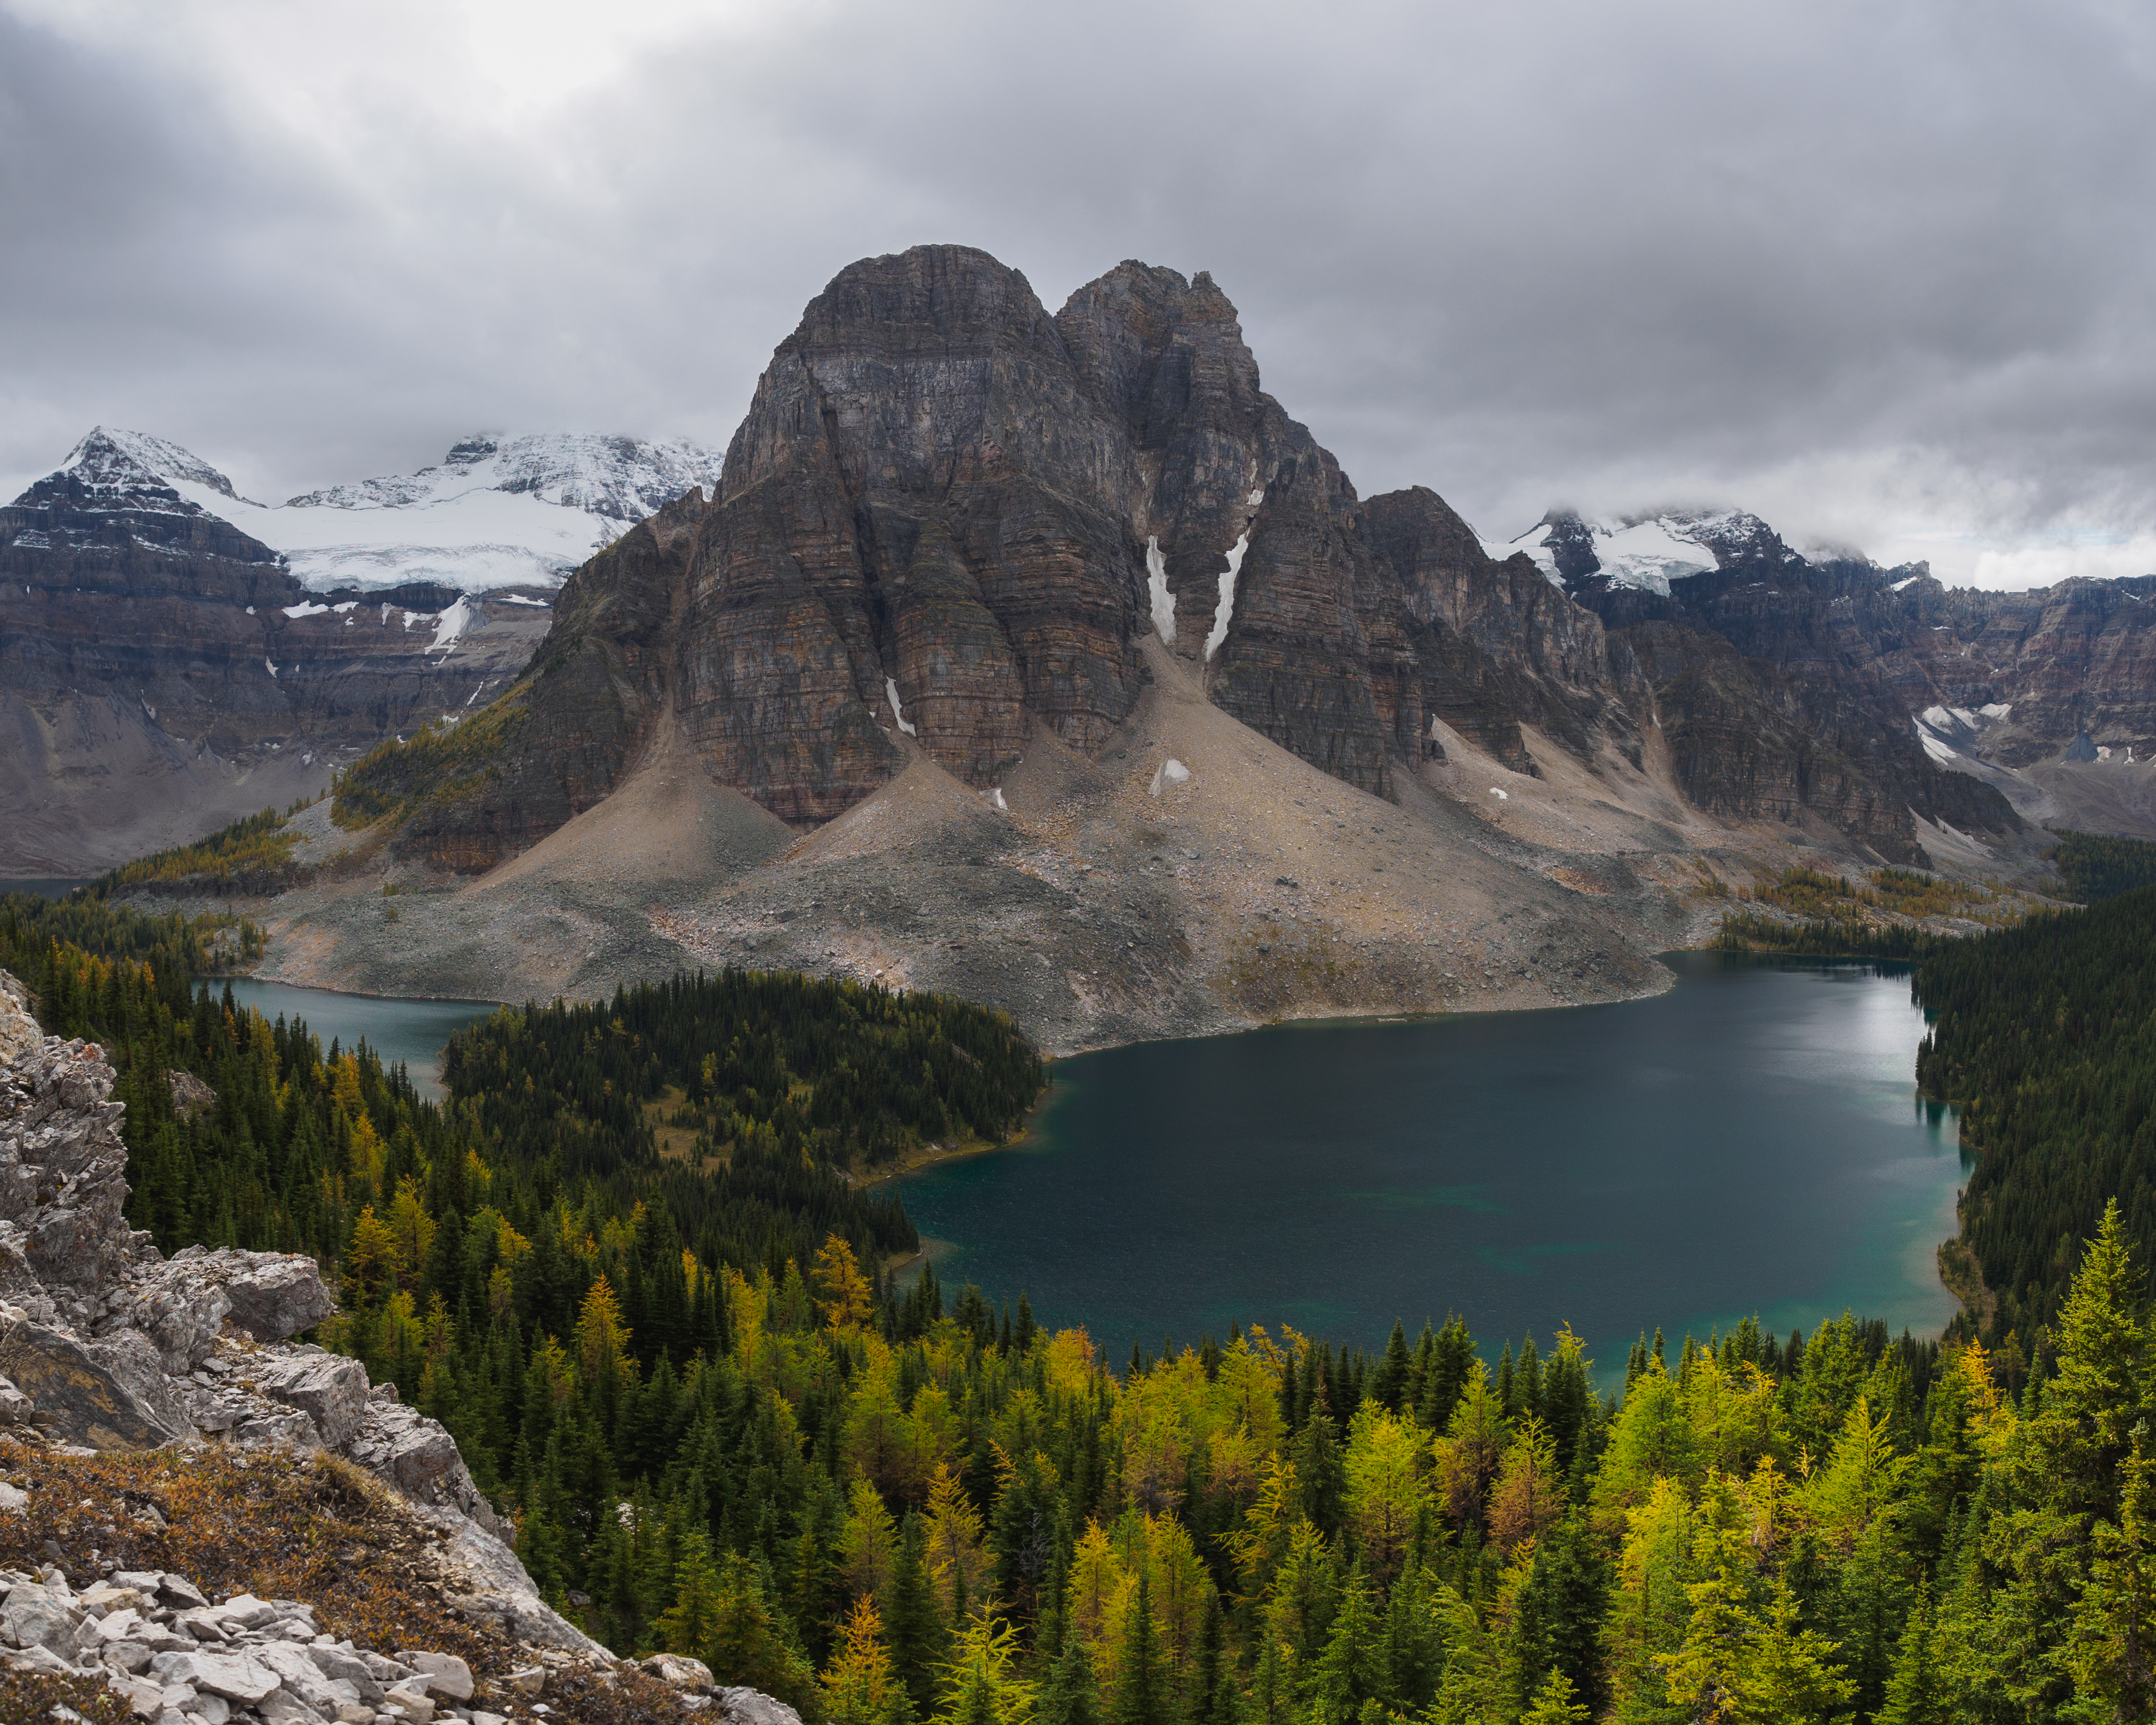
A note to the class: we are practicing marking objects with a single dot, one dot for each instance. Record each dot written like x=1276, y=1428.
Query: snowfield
x=517, y=511
x=1645, y=551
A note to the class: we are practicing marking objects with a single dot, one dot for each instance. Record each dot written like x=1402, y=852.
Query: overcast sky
x=1882, y=274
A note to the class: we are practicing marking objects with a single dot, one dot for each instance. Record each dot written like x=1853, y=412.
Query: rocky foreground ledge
x=166, y=1449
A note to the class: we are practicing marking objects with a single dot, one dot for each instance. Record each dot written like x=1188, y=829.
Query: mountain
x=2048, y=696
x=1046, y=658
x=173, y=654
x=162, y=671
x=493, y=512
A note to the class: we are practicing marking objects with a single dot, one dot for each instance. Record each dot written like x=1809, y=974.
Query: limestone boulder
x=330, y=1390
x=680, y=1670
x=182, y=1303
x=19, y=1034
x=110, y=1395
x=752, y=1707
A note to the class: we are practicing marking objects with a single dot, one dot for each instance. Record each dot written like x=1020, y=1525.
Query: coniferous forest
x=628, y=1264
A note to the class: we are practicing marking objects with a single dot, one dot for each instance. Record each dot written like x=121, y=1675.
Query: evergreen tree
x=919, y=1635
x=1145, y=1687
x=1071, y=1696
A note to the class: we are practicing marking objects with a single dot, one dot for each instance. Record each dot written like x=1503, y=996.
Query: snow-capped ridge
x=495, y=512
x=122, y=460
x=621, y=479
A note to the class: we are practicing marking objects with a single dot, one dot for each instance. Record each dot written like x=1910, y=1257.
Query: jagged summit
x=1647, y=551
x=108, y=460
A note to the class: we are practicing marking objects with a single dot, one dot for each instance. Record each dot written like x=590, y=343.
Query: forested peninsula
x=629, y=1265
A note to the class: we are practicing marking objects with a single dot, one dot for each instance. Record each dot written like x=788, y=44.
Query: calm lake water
x=413, y=1031
x=1749, y=1142
x=44, y=887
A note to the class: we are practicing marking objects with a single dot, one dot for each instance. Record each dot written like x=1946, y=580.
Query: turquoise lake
x=415, y=1032
x=1749, y=1142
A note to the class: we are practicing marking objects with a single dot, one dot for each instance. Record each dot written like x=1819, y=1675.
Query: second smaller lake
x=415, y=1032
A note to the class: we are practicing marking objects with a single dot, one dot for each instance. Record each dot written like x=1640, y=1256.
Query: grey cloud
x=1868, y=265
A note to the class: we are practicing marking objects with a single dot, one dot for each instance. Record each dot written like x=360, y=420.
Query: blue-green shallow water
x=413, y=1031
x=1750, y=1142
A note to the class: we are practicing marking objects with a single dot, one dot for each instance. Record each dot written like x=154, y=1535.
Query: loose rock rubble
x=180, y=1659
x=157, y=1641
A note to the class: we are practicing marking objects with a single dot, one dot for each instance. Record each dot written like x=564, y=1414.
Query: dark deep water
x=1750, y=1142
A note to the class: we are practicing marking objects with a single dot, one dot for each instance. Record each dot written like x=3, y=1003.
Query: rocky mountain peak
x=116, y=517
x=123, y=461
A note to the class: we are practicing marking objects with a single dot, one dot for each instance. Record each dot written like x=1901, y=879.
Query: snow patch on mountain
x=122, y=460
x=514, y=512
x=1645, y=552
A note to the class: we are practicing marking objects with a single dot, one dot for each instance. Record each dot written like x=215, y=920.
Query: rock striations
x=950, y=517
x=107, y=1345
x=162, y=672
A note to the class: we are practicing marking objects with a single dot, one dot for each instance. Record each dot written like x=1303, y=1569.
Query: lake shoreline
x=1814, y=1177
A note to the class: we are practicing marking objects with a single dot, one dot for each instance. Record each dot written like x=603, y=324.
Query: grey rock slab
x=36, y=1616
x=97, y=1394
x=303, y=1678
x=238, y=1677
x=342, y=1665
x=19, y=1034
x=414, y=1700
x=680, y=1670
x=330, y=1390
x=752, y=1707
x=444, y=1673
x=245, y=1611
x=35, y=1659
x=274, y=1295
x=280, y=1706
x=146, y=1698
x=130, y=1655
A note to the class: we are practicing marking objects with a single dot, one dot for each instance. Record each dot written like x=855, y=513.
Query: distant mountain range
x=493, y=513
x=173, y=654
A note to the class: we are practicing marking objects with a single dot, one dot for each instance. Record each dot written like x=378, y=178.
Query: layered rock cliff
x=950, y=518
x=162, y=672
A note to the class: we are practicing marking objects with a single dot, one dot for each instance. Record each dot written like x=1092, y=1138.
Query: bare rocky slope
x=1045, y=659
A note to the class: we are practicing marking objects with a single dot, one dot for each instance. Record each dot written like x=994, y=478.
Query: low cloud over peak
x=1881, y=279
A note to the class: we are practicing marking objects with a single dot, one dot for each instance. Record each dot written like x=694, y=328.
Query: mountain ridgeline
x=950, y=516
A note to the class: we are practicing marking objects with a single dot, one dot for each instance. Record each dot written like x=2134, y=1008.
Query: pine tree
x=1353, y=1669
x=1915, y=1692
x=919, y=1635
x=1145, y=1684
x=1554, y=1704
x=687, y=1625
x=1071, y=1696
x=747, y=1643
x=1390, y=1385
